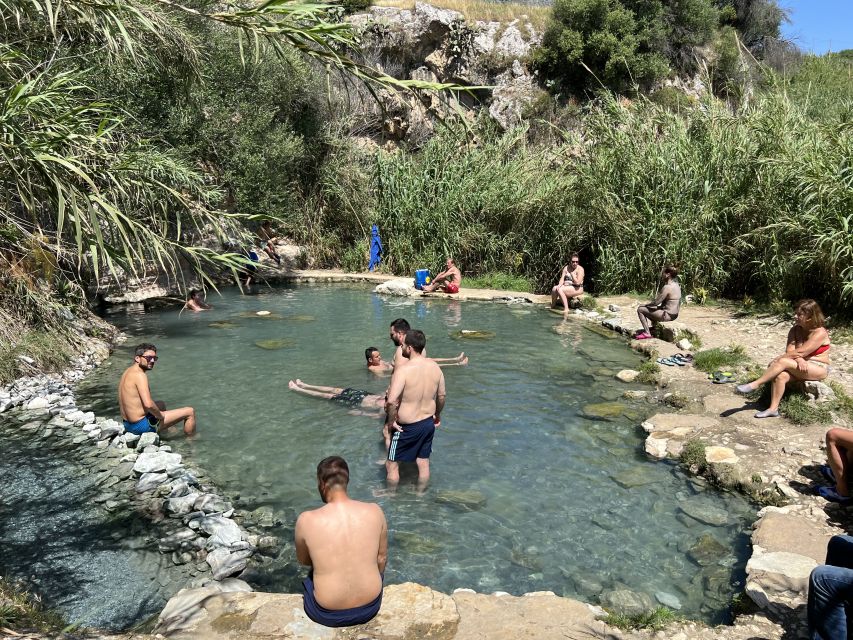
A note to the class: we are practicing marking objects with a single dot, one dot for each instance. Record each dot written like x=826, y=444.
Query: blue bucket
x=421, y=276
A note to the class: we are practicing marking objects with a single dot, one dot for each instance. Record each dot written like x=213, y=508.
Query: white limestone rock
x=155, y=462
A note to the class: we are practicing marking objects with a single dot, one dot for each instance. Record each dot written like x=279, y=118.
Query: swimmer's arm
x=145, y=398
x=439, y=399
x=302, y=553
x=382, y=555
x=392, y=398
x=582, y=273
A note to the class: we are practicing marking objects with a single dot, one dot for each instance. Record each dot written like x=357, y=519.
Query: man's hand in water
x=437, y=421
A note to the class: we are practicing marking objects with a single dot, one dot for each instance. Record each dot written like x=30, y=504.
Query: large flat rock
x=534, y=617
x=779, y=531
x=409, y=612
x=670, y=421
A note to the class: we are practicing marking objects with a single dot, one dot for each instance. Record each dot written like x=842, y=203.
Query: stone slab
x=791, y=533
x=670, y=421
x=409, y=612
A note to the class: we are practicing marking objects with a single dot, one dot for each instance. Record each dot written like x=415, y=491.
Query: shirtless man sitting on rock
x=139, y=412
x=449, y=279
x=345, y=542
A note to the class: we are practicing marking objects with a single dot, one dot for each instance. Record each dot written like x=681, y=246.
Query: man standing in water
x=139, y=412
x=345, y=543
x=413, y=409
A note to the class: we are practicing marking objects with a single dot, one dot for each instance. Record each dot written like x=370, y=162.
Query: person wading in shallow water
x=345, y=543
x=138, y=410
x=415, y=401
x=398, y=331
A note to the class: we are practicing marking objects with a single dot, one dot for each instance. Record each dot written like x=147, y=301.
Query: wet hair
x=812, y=311
x=333, y=471
x=193, y=293
x=416, y=339
x=671, y=271
x=142, y=348
x=369, y=352
x=400, y=324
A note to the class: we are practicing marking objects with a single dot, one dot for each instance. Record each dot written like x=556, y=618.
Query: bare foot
x=463, y=362
x=292, y=384
x=299, y=383
x=461, y=357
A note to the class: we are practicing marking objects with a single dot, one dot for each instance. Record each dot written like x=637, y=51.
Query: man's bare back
x=416, y=386
x=345, y=542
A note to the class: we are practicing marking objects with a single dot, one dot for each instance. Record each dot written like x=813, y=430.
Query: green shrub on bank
x=48, y=348
x=797, y=408
x=653, y=620
x=649, y=372
x=693, y=454
x=720, y=359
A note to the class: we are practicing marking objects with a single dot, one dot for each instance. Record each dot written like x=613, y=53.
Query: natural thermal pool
x=528, y=491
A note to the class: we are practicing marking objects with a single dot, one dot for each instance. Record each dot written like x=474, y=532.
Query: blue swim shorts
x=341, y=617
x=414, y=441
x=145, y=425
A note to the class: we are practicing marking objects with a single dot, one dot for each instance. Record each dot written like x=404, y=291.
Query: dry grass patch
x=487, y=11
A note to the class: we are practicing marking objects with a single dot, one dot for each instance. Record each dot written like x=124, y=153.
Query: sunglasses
x=150, y=358
x=575, y=261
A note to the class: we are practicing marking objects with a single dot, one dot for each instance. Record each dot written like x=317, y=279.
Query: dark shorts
x=145, y=425
x=339, y=618
x=350, y=397
x=414, y=441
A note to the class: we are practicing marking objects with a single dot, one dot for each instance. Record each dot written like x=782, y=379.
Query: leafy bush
x=621, y=43
x=649, y=372
x=653, y=620
x=797, y=408
x=693, y=454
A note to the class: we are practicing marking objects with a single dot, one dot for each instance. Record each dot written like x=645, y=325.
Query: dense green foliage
x=622, y=43
x=625, y=45
x=757, y=201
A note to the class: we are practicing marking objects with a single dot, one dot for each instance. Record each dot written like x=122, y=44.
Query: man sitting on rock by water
x=345, y=542
x=138, y=410
x=449, y=279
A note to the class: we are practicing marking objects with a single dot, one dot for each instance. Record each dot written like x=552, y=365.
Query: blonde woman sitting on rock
x=806, y=357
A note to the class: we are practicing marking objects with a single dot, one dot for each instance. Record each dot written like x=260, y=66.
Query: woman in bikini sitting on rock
x=806, y=357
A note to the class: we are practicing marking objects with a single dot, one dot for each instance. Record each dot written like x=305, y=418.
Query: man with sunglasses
x=141, y=414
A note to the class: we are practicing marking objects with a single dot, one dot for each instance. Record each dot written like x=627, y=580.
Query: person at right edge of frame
x=345, y=542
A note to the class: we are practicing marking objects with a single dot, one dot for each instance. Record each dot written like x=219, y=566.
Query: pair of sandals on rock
x=679, y=359
x=830, y=493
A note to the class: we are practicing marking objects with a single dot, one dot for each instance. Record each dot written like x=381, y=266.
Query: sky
x=818, y=26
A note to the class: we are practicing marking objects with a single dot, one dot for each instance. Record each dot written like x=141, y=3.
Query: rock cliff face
x=439, y=45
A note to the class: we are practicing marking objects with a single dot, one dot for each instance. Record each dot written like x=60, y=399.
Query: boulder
x=181, y=505
x=720, y=455
x=409, y=611
x=223, y=532
x=146, y=440
x=398, y=287
x=627, y=375
x=778, y=580
x=149, y=481
x=704, y=512
x=155, y=462
x=224, y=562
x=514, y=91
x=627, y=601
x=818, y=391
x=672, y=331
x=37, y=403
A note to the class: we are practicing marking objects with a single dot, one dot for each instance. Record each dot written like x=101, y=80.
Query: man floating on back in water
x=345, y=542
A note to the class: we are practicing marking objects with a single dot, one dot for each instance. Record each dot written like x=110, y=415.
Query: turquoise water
x=529, y=491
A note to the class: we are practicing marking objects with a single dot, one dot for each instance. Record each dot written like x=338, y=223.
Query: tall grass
x=755, y=201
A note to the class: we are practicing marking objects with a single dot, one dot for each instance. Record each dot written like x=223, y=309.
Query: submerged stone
x=415, y=543
x=604, y=410
x=223, y=324
x=300, y=318
x=633, y=478
x=465, y=500
x=627, y=601
x=470, y=334
x=272, y=345
x=707, y=550
x=704, y=513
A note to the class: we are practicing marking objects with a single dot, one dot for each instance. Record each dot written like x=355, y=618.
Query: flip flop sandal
x=829, y=493
x=679, y=360
x=669, y=362
x=826, y=472
x=722, y=377
x=685, y=357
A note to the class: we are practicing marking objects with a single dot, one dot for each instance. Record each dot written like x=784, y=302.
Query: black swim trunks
x=415, y=441
x=350, y=397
